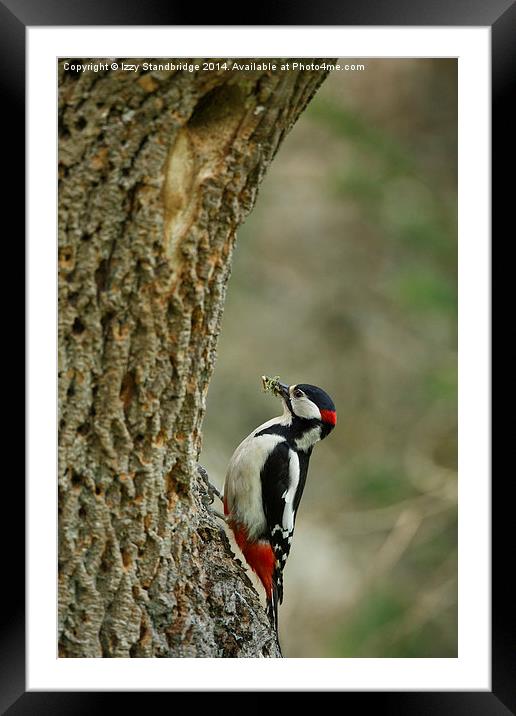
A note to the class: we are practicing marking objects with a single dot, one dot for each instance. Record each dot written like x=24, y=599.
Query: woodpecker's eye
x=298, y=393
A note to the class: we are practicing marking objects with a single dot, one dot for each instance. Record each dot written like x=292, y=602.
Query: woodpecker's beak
x=283, y=390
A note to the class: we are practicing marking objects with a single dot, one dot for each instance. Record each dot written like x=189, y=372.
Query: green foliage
x=349, y=125
x=377, y=612
x=441, y=383
x=376, y=485
x=418, y=289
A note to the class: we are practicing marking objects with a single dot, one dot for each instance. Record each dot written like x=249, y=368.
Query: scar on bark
x=196, y=154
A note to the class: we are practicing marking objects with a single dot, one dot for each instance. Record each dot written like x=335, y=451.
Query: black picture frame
x=500, y=15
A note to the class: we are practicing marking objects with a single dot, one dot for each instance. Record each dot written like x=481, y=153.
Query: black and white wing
x=281, y=488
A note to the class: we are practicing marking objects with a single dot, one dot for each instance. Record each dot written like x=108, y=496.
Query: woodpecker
x=265, y=481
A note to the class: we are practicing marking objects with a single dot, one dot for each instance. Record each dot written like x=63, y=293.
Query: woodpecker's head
x=308, y=402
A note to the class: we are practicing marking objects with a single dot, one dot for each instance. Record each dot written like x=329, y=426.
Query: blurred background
x=345, y=276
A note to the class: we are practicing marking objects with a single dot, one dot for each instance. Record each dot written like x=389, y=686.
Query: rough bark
x=157, y=170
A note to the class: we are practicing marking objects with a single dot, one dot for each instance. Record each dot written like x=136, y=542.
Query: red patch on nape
x=329, y=416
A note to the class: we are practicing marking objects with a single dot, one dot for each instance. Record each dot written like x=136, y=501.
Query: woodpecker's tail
x=272, y=612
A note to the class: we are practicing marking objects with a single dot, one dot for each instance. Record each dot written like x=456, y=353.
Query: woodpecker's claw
x=211, y=490
x=216, y=513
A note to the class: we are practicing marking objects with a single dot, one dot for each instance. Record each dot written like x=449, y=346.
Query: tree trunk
x=157, y=169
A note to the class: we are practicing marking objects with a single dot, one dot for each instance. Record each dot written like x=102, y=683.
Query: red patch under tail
x=259, y=556
x=261, y=559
